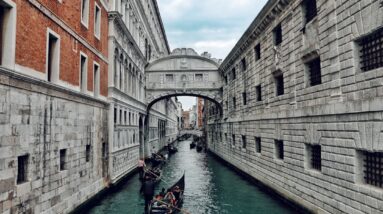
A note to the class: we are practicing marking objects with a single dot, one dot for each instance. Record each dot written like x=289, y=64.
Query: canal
x=211, y=188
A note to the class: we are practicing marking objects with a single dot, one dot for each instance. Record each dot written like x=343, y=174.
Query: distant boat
x=192, y=145
x=172, y=149
x=161, y=207
x=199, y=148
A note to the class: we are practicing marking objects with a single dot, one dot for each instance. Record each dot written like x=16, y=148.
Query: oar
x=182, y=210
x=157, y=176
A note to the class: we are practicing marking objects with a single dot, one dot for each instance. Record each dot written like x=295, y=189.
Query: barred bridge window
x=22, y=169
x=314, y=72
x=310, y=9
x=279, y=150
x=371, y=50
x=316, y=159
x=373, y=168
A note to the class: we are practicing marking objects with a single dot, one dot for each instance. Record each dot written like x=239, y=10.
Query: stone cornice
x=161, y=25
x=268, y=14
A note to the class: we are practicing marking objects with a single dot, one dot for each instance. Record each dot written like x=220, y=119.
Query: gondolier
x=148, y=190
x=141, y=167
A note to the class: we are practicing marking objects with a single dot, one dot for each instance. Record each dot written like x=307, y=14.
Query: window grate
x=22, y=169
x=244, y=142
x=310, y=9
x=87, y=153
x=62, y=159
x=234, y=103
x=258, y=145
x=314, y=68
x=278, y=35
x=257, y=50
x=316, y=158
x=279, y=84
x=244, y=65
x=244, y=98
x=233, y=75
x=259, y=92
x=373, y=168
x=279, y=149
x=371, y=50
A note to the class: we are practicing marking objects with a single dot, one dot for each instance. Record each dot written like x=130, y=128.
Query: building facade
x=302, y=104
x=53, y=109
x=200, y=106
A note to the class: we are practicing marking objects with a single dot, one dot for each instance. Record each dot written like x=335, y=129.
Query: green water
x=210, y=188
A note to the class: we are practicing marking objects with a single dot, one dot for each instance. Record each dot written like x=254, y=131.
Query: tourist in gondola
x=169, y=197
x=177, y=192
x=148, y=191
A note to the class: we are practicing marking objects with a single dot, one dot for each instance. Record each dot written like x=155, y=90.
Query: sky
x=207, y=25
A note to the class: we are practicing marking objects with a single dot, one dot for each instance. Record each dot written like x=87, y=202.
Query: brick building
x=200, y=107
x=53, y=113
x=302, y=104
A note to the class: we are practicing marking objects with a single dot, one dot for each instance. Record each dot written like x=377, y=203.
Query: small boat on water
x=157, y=160
x=172, y=149
x=154, y=174
x=161, y=205
x=192, y=145
x=199, y=148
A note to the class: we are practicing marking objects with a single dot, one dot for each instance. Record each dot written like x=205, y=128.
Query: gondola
x=155, y=174
x=172, y=149
x=164, y=207
x=192, y=145
x=156, y=160
x=199, y=148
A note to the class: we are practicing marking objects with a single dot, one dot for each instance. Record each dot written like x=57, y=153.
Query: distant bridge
x=198, y=133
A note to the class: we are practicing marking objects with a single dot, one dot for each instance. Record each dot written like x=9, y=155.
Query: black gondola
x=192, y=145
x=172, y=149
x=154, y=174
x=164, y=207
x=199, y=148
x=156, y=160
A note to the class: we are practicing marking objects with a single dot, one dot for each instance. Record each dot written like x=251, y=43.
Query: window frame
x=96, y=79
x=83, y=82
x=97, y=22
x=85, y=23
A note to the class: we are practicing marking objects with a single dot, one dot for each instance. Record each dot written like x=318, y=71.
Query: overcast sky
x=207, y=25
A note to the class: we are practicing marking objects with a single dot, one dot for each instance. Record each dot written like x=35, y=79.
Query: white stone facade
x=342, y=114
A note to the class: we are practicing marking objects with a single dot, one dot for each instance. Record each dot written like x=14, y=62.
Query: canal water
x=210, y=188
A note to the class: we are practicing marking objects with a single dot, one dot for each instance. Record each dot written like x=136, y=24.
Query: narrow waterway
x=211, y=188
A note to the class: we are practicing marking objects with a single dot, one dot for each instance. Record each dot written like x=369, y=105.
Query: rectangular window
x=258, y=148
x=7, y=33
x=371, y=50
x=244, y=98
x=97, y=21
x=226, y=80
x=225, y=137
x=244, y=65
x=22, y=168
x=63, y=159
x=314, y=72
x=277, y=32
x=120, y=117
x=199, y=77
x=310, y=9
x=83, y=72
x=125, y=118
x=115, y=115
x=257, y=51
x=96, y=80
x=315, y=158
x=53, y=57
x=279, y=150
x=244, y=142
x=234, y=103
x=233, y=75
x=233, y=138
x=258, y=91
x=87, y=153
x=373, y=168
x=85, y=12
x=279, y=85
x=169, y=77
x=227, y=104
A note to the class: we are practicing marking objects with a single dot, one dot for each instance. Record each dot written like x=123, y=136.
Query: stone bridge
x=183, y=73
x=198, y=133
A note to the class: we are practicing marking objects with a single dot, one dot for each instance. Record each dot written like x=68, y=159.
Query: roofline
x=256, y=22
x=148, y=66
x=162, y=25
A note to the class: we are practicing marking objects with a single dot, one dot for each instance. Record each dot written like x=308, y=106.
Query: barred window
x=226, y=79
x=279, y=150
x=87, y=153
x=233, y=138
x=258, y=148
x=258, y=89
x=279, y=86
x=234, y=103
x=244, y=65
x=62, y=159
x=115, y=115
x=314, y=72
x=277, y=35
x=233, y=75
x=257, y=51
x=315, y=157
x=22, y=168
x=310, y=9
x=244, y=98
x=373, y=168
x=244, y=142
x=371, y=50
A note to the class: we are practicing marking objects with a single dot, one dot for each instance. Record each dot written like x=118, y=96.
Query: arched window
x=121, y=69
x=115, y=66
